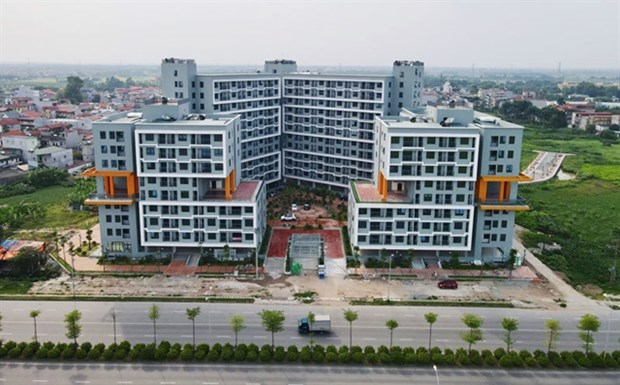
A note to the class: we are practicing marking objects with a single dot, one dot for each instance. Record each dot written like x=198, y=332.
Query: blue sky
x=442, y=33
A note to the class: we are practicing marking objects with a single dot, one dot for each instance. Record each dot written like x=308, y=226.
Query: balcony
x=519, y=204
x=119, y=198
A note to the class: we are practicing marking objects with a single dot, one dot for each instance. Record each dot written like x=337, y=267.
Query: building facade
x=312, y=128
x=167, y=181
x=445, y=183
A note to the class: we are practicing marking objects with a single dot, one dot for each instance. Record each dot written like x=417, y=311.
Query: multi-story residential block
x=312, y=128
x=167, y=180
x=445, y=181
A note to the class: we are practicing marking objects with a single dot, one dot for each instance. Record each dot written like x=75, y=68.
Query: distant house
x=18, y=140
x=52, y=157
x=8, y=124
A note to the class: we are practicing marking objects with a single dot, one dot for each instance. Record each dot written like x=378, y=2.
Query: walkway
x=544, y=167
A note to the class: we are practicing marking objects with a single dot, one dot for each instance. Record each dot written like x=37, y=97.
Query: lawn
x=14, y=286
x=57, y=216
x=579, y=214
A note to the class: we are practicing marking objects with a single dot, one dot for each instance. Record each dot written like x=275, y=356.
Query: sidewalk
x=574, y=300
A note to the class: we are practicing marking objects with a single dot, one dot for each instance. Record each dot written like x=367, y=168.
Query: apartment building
x=167, y=181
x=444, y=182
x=315, y=129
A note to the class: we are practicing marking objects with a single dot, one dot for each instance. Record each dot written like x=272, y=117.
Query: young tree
x=192, y=313
x=34, y=314
x=72, y=323
x=588, y=324
x=553, y=332
x=272, y=321
x=350, y=316
x=311, y=319
x=511, y=261
x=510, y=325
x=431, y=318
x=391, y=325
x=237, y=324
x=154, y=316
x=89, y=237
x=114, y=323
x=474, y=334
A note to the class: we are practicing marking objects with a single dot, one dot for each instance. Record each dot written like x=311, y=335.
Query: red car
x=448, y=284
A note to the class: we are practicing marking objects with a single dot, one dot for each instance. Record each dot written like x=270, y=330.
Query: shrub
x=200, y=355
x=318, y=348
x=252, y=355
x=419, y=350
x=385, y=358
x=449, y=359
x=125, y=345
x=410, y=358
x=40, y=354
x=332, y=357
x=343, y=349
x=81, y=354
x=11, y=344
x=94, y=354
x=331, y=349
x=499, y=353
x=486, y=353
x=369, y=350
x=343, y=357
x=187, y=355
x=539, y=353
x=48, y=345
x=356, y=348
x=463, y=359
x=558, y=362
x=30, y=350
x=423, y=357
x=218, y=347
x=357, y=357
x=490, y=360
x=531, y=362
x=616, y=355
x=585, y=362
x=213, y=355
x=14, y=353
x=54, y=353
x=597, y=360
x=68, y=353
x=205, y=347
x=319, y=357
x=173, y=354
x=542, y=361
x=577, y=354
x=372, y=358
x=280, y=354
x=227, y=354
x=108, y=354
x=505, y=361
x=524, y=354
x=265, y=355
x=305, y=355
x=610, y=362
x=120, y=354
x=86, y=346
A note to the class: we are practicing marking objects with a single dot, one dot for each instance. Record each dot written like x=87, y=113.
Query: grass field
x=578, y=213
x=57, y=215
x=11, y=286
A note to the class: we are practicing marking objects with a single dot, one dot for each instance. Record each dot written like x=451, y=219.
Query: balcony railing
x=515, y=204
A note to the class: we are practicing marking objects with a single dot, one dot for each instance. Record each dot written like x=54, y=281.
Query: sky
x=442, y=33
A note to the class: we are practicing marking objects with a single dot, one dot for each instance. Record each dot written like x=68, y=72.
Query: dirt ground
x=330, y=291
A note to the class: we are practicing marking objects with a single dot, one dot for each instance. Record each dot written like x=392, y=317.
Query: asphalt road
x=143, y=374
x=212, y=325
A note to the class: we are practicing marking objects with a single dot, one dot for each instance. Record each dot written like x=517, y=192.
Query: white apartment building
x=167, y=180
x=445, y=181
x=315, y=129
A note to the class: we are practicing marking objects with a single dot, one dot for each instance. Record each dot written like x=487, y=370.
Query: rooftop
x=367, y=192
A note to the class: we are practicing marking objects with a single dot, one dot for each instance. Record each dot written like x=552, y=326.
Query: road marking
x=39, y=380
x=261, y=337
x=296, y=338
x=223, y=336
x=369, y=339
x=167, y=383
x=186, y=336
x=210, y=383
x=2, y=379
x=82, y=382
x=438, y=340
x=333, y=338
x=124, y=382
x=405, y=339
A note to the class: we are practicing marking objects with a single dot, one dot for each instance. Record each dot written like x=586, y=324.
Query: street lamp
x=608, y=321
x=389, y=275
x=436, y=373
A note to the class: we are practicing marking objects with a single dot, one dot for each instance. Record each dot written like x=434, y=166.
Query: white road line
x=185, y=336
x=261, y=337
x=223, y=336
x=438, y=340
x=295, y=338
x=124, y=382
x=210, y=383
x=369, y=339
x=333, y=338
x=167, y=383
x=39, y=380
x=82, y=382
x=2, y=379
x=405, y=339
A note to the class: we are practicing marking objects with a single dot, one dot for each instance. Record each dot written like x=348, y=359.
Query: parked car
x=294, y=207
x=448, y=284
x=306, y=206
x=288, y=217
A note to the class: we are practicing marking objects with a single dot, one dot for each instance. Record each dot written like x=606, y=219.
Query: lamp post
x=436, y=373
x=114, y=322
x=389, y=275
x=608, y=322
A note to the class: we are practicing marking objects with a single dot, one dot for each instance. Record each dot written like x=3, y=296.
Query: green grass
x=14, y=286
x=57, y=215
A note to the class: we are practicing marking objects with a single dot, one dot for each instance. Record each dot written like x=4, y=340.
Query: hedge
x=317, y=354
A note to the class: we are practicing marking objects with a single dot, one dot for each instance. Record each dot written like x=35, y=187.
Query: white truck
x=321, y=324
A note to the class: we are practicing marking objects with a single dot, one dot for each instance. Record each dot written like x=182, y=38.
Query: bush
x=332, y=357
x=120, y=354
x=252, y=355
x=369, y=350
x=372, y=358
x=279, y=355
x=108, y=354
x=423, y=357
x=585, y=362
x=490, y=360
x=356, y=348
x=525, y=354
x=205, y=347
x=449, y=359
x=610, y=362
x=40, y=354
x=68, y=353
x=227, y=354
x=558, y=362
x=357, y=357
x=539, y=353
x=54, y=353
x=48, y=345
x=265, y=355
x=499, y=353
x=531, y=362
x=306, y=355
x=173, y=354
x=319, y=357
x=87, y=346
x=213, y=355
x=331, y=349
x=125, y=345
x=81, y=354
x=343, y=349
x=543, y=361
x=94, y=354
x=486, y=353
x=343, y=357
x=14, y=353
x=463, y=359
x=292, y=354
x=410, y=358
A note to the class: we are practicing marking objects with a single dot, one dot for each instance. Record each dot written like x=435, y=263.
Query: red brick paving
x=279, y=241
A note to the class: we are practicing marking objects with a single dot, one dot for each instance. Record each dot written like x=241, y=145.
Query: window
x=511, y=140
x=102, y=135
x=401, y=85
x=104, y=149
x=202, y=84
